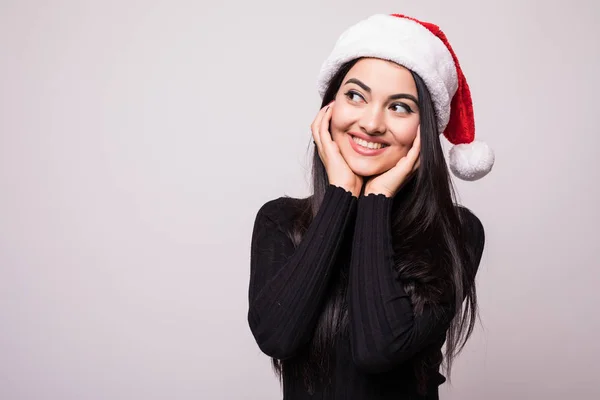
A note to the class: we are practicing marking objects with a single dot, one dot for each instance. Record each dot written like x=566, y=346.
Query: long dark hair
x=424, y=215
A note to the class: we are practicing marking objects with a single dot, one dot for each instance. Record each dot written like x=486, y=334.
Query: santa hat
x=423, y=48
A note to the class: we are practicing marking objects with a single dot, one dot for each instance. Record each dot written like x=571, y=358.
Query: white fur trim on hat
x=404, y=42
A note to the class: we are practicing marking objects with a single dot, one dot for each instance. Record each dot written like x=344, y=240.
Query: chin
x=366, y=168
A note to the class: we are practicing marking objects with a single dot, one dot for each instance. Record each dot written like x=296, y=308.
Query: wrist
x=348, y=187
x=374, y=190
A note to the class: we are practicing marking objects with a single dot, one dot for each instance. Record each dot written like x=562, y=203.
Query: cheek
x=395, y=154
x=403, y=141
x=342, y=117
x=405, y=134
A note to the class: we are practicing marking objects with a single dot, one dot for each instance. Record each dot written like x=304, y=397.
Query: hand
x=338, y=171
x=390, y=182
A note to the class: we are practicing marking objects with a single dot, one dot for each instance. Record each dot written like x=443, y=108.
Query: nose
x=372, y=121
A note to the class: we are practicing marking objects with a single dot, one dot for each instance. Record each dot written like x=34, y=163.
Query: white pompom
x=471, y=161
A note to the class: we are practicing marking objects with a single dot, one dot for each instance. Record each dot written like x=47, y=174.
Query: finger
x=418, y=146
x=417, y=141
x=411, y=156
x=324, y=132
x=417, y=163
x=315, y=126
x=418, y=138
x=324, y=135
x=415, y=150
x=407, y=163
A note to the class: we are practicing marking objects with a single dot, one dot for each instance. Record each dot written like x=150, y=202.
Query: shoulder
x=473, y=234
x=471, y=224
x=282, y=210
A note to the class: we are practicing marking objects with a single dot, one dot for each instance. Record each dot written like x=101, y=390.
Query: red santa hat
x=423, y=48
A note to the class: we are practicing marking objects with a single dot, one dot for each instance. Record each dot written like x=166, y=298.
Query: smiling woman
x=355, y=289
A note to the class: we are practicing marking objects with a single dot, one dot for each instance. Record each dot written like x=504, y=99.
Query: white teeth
x=369, y=145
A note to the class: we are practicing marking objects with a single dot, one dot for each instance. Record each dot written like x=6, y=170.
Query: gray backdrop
x=139, y=138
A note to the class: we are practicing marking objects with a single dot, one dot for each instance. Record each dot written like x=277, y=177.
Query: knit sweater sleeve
x=384, y=330
x=288, y=284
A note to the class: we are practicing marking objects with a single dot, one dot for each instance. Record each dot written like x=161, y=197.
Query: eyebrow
x=392, y=97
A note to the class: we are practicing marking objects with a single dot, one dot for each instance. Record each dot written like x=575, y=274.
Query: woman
x=354, y=290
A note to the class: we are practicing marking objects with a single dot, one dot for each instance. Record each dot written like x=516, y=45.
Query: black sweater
x=289, y=286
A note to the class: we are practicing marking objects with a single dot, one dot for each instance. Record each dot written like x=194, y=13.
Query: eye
x=404, y=106
x=351, y=93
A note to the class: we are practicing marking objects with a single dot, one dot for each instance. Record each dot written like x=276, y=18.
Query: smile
x=369, y=145
x=366, y=148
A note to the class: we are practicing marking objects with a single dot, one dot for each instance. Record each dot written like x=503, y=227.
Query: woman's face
x=375, y=105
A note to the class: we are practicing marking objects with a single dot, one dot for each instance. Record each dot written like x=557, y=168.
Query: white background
x=139, y=138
